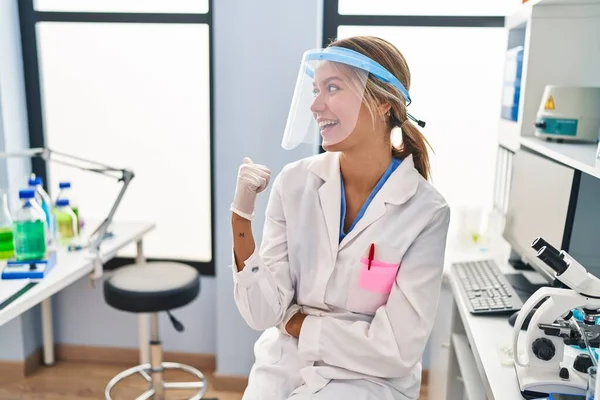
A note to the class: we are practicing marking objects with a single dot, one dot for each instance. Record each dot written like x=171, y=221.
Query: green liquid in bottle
x=7, y=248
x=30, y=240
x=76, y=212
x=66, y=228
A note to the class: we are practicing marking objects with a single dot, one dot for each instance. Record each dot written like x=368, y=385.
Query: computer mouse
x=513, y=318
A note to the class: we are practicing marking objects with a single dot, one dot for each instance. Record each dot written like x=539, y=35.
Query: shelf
x=522, y=14
x=581, y=156
x=533, y=3
x=468, y=368
x=561, y=2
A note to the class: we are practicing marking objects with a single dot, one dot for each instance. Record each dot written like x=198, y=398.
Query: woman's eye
x=330, y=89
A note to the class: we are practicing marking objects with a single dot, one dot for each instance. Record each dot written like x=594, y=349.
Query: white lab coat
x=353, y=335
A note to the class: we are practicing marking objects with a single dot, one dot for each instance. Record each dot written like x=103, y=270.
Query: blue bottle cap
x=26, y=194
x=64, y=185
x=35, y=181
x=62, y=202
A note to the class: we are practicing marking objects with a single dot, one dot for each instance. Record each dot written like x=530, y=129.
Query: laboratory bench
x=465, y=349
x=18, y=296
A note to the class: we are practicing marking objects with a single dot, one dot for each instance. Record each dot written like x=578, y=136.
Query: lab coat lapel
x=328, y=169
x=397, y=190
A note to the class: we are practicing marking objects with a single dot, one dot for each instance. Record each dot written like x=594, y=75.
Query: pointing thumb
x=247, y=160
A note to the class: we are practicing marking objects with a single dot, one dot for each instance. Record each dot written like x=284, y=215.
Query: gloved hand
x=252, y=179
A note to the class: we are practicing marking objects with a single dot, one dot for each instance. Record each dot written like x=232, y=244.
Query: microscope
x=550, y=363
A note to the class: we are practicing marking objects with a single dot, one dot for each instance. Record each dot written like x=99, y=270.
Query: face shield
x=329, y=94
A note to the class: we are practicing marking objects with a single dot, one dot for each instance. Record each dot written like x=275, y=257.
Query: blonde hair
x=378, y=92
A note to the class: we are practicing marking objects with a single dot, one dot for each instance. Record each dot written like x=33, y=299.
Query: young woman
x=347, y=279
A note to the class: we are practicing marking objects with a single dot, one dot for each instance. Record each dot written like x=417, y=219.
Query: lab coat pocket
x=371, y=286
x=378, y=277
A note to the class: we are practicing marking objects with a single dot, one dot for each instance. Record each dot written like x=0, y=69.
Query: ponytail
x=415, y=143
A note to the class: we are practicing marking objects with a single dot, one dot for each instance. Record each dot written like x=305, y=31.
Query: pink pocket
x=380, y=278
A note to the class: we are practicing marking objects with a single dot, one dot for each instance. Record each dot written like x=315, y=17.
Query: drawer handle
x=445, y=345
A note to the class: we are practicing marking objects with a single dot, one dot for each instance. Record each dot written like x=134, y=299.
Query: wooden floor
x=78, y=381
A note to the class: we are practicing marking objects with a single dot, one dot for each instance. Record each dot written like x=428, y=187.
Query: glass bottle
x=45, y=203
x=7, y=248
x=66, y=221
x=66, y=192
x=29, y=228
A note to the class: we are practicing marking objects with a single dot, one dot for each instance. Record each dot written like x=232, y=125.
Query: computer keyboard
x=485, y=289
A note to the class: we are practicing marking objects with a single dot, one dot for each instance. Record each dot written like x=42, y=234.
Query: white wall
x=258, y=47
x=12, y=93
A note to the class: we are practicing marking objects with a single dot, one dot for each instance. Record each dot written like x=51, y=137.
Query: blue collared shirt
x=393, y=165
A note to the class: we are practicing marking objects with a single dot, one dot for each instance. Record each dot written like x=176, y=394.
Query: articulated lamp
x=122, y=175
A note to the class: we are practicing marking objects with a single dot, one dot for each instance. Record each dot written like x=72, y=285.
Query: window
x=128, y=90
x=427, y=7
x=456, y=66
x=124, y=6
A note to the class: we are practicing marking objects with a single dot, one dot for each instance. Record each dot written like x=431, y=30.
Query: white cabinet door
x=439, y=343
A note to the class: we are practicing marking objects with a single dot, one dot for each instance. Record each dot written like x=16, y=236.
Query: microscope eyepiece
x=538, y=243
x=553, y=260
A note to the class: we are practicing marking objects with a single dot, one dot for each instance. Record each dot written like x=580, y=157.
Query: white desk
x=464, y=360
x=70, y=267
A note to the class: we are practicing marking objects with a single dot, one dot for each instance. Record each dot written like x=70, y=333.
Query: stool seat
x=152, y=287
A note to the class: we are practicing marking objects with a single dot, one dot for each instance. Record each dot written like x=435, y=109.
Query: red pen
x=371, y=254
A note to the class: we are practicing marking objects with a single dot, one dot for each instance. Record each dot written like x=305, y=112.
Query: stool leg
x=143, y=338
x=156, y=359
x=143, y=331
x=153, y=372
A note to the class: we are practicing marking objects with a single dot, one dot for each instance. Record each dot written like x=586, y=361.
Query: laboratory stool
x=151, y=288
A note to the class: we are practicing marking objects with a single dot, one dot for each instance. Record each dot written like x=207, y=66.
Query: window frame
x=28, y=19
x=332, y=19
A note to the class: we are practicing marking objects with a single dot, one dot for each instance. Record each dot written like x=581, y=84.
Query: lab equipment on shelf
x=485, y=289
x=511, y=93
x=29, y=228
x=570, y=113
x=7, y=248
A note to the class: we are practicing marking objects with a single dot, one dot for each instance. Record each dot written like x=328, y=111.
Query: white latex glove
x=252, y=179
x=291, y=311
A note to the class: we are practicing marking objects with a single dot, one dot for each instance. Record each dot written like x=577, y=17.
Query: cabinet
x=558, y=43
x=453, y=373
x=439, y=345
x=560, y=46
